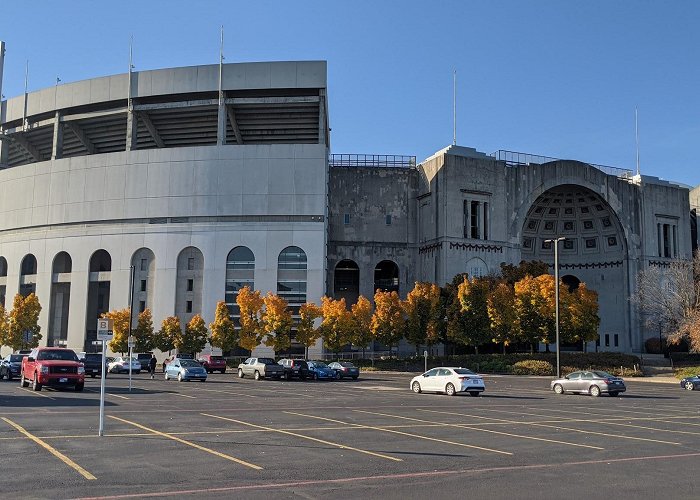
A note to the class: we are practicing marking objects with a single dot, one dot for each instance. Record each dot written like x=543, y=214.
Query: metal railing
x=512, y=158
x=362, y=160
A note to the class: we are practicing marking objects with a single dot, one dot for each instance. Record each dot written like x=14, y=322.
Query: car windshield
x=463, y=371
x=320, y=364
x=267, y=361
x=93, y=357
x=57, y=355
x=188, y=363
x=184, y=356
x=16, y=358
x=603, y=374
x=218, y=358
x=347, y=365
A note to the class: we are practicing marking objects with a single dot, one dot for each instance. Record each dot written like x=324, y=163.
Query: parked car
x=11, y=366
x=180, y=355
x=185, y=369
x=449, y=380
x=144, y=358
x=345, y=369
x=688, y=383
x=260, y=368
x=592, y=382
x=52, y=366
x=295, y=368
x=92, y=362
x=213, y=363
x=319, y=370
x=121, y=365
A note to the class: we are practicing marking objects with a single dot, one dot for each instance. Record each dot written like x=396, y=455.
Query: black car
x=11, y=366
x=93, y=364
x=691, y=383
x=295, y=368
x=345, y=369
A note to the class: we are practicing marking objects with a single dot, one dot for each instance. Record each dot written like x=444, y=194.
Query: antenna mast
x=454, y=107
x=636, y=136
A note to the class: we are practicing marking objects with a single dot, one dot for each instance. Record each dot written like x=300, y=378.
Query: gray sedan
x=592, y=382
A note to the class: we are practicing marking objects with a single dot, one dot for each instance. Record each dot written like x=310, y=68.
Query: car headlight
x=45, y=370
x=81, y=370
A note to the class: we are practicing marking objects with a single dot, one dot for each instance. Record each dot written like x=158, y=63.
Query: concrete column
x=76, y=308
x=57, y=149
x=4, y=152
x=674, y=241
x=131, y=130
x=659, y=240
x=322, y=139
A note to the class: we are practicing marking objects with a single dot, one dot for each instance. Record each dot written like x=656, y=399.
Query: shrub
x=688, y=371
x=653, y=345
x=533, y=367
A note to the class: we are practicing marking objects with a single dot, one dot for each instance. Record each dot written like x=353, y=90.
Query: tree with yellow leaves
x=423, y=314
x=223, y=330
x=362, y=323
x=4, y=326
x=337, y=324
x=143, y=333
x=388, y=321
x=580, y=320
x=472, y=295
x=503, y=315
x=121, y=319
x=534, y=303
x=195, y=336
x=23, y=330
x=277, y=323
x=250, y=304
x=169, y=334
x=307, y=333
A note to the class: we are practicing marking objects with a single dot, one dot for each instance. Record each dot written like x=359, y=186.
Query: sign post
x=104, y=333
x=425, y=355
x=131, y=352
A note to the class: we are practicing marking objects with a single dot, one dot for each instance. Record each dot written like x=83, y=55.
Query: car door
x=571, y=381
x=586, y=381
x=444, y=377
x=174, y=368
x=250, y=366
x=429, y=382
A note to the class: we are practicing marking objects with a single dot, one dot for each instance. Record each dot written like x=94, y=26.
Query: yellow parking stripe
x=323, y=441
x=619, y=436
x=418, y=436
x=51, y=450
x=463, y=426
x=188, y=443
x=37, y=393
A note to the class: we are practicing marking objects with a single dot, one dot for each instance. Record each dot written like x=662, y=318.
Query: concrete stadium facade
x=205, y=179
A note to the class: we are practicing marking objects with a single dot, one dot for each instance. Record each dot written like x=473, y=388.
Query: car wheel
x=689, y=386
x=355, y=377
x=613, y=394
x=223, y=371
x=179, y=377
x=338, y=376
x=558, y=389
x=474, y=394
x=240, y=373
x=23, y=381
x=416, y=387
x=79, y=387
x=9, y=376
x=594, y=391
x=35, y=383
x=166, y=376
x=450, y=389
x=257, y=375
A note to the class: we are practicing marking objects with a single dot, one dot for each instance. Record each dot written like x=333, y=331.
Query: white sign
x=131, y=342
x=104, y=329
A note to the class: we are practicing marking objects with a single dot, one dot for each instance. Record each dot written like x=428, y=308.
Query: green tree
x=277, y=323
x=4, y=326
x=23, y=323
x=423, y=314
x=169, y=334
x=223, y=330
x=195, y=337
x=143, y=333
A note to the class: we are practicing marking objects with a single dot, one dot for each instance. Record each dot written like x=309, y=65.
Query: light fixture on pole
x=556, y=241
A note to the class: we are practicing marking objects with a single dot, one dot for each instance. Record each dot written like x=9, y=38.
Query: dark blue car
x=10, y=366
x=691, y=383
x=320, y=370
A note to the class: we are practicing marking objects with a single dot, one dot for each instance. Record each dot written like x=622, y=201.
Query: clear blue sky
x=555, y=78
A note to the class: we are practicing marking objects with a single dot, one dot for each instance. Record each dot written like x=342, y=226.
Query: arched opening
x=240, y=272
x=3, y=280
x=291, y=286
x=477, y=268
x=346, y=281
x=188, y=285
x=60, y=299
x=143, y=262
x=99, y=267
x=27, y=277
x=386, y=276
x=571, y=282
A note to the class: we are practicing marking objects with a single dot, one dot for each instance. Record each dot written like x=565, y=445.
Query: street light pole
x=556, y=241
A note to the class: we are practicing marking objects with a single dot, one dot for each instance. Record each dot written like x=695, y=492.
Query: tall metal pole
x=556, y=298
x=26, y=96
x=131, y=316
x=101, y=430
x=454, y=107
x=636, y=137
x=2, y=65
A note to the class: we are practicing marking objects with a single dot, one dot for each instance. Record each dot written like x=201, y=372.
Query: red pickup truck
x=54, y=367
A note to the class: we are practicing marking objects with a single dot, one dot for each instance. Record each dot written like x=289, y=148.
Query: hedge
x=688, y=371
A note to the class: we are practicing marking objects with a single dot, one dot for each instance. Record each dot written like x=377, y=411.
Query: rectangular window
x=142, y=306
x=190, y=264
x=188, y=308
x=667, y=241
x=143, y=285
x=607, y=340
x=616, y=340
x=465, y=208
x=659, y=239
x=486, y=221
x=190, y=285
x=675, y=241
x=144, y=264
x=475, y=220
x=346, y=219
x=388, y=220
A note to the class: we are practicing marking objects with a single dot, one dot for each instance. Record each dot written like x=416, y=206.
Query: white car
x=121, y=365
x=449, y=380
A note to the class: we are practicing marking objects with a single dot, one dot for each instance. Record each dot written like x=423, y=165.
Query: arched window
x=60, y=299
x=291, y=281
x=346, y=281
x=240, y=272
x=386, y=276
x=100, y=267
x=477, y=268
x=27, y=278
x=571, y=281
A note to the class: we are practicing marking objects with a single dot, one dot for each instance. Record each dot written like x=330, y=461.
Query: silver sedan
x=591, y=382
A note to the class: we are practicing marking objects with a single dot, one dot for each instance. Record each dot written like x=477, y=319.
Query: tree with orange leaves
x=423, y=314
x=580, y=320
x=23, y=323
x=223, y=331
x=121, y=320
x=277, y=323
x=362, y=318
x=388, y=321
x=472, y=295
x=169, y=334
x=530, y=304
x=250, y=304
x=502, y=314
x=337, y=324
x=307, y=333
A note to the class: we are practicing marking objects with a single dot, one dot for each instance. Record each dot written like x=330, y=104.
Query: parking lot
x=232, y=437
